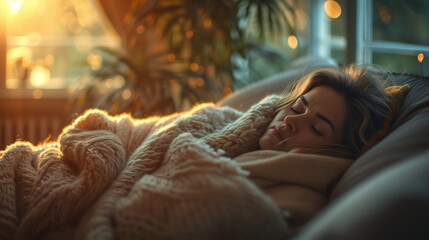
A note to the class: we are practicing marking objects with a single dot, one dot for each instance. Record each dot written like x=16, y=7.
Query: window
x=395, y=34
x=47, y=43
x=392, y=34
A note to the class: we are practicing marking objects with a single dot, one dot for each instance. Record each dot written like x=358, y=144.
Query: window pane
x=339, y=55
x=401, y=63
x=51, y=67
x=336, y=15
x=288, y=44
x=47, y=41
x=401, y=21
x=292, y=45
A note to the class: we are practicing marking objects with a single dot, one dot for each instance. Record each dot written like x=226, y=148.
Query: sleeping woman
x=330, y=111
x=186, y=176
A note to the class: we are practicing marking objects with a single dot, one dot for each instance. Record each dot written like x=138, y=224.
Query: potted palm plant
x=191, y=51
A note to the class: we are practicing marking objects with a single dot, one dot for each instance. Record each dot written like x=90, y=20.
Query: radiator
x=34, y=129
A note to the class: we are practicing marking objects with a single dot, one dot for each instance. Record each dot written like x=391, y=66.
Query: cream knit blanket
x=115, y=177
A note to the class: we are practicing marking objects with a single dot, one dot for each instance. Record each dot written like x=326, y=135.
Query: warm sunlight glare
x=332, y=9
x=39, y=76
x=15, y=6
x=420, y=57
x=292, y=41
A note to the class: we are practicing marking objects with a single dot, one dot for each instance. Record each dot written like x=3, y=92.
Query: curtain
x=118, y=13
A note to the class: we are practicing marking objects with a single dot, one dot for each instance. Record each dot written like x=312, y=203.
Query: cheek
x=280, y=116
x=264, y=142
x=305, y=138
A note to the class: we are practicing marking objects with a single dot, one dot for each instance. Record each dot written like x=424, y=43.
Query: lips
x=277, y=133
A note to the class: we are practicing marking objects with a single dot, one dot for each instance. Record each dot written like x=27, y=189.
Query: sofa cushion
x=410, y=139
x=397, y=95
x=392, y=204
x=416, y=99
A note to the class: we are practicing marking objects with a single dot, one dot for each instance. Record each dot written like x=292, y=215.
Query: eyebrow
x=325, y=119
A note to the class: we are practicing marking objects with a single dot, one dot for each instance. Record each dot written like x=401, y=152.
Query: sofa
x=119, y=177
x=384, y=194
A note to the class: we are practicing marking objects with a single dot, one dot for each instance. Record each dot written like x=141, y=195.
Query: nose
x=292, y=123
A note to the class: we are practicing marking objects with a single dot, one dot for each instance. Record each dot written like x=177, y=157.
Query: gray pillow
x=392, y=204
x=409, y=139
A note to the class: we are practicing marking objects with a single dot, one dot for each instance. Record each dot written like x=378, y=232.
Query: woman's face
x=317, y=117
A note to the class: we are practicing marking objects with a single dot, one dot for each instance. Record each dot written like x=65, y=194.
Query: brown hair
x=367, y=102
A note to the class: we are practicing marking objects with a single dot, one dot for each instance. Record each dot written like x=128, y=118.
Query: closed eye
x=316, y=131
x=293, y=110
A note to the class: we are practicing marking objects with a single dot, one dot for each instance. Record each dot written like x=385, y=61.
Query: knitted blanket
x=115, y=177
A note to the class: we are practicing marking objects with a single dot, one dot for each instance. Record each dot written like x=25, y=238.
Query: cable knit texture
x=115, y=177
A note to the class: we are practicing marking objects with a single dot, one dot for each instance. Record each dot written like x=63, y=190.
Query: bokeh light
x=420, y=57
x=194, y=67
x=332, y=9
x=292, y=41
x=189, y=34
x=200, y=82
x=126, y=94
x=171, y=57
x=118, y=81
x=140, y=29
x=94, y=61
x=37, y=94
x=39, y=76
x=385, y=15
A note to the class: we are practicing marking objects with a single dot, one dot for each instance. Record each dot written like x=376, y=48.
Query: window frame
x=358, y=42
x=360, y=28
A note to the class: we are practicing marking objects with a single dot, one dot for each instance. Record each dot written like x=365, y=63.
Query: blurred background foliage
x=148, y=57
x=181, y=52
x=157, y=57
